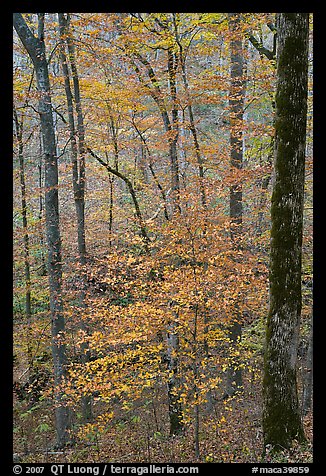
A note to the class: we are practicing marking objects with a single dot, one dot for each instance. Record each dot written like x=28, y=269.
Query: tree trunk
x=36, y=50
x=78, y=190
x=281, y=414
x=111, y=181
x=43, y=267
x=28, y=306
x=77, y=147
x=78, y=174
x=81, y=144
x=193, y=130
x=308, y=376
x=175, y=408
x=172, y=128
x=236, y=105
x=174, y=132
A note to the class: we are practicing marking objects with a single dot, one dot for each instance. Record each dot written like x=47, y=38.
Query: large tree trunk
x=36, y=50
x=281, y=415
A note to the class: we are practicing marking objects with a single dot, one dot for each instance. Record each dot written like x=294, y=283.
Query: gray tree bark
x=36, y=50
x=42, y=267
x=281, y=413
x=236, y=105
x=77, y=147
x=80, y=203
x=174, y=129
x=78, y=179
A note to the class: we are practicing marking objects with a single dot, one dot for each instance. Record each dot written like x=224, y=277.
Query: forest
x=162, y=237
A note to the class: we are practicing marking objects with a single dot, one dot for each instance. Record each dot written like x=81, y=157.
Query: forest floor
x=230, y=433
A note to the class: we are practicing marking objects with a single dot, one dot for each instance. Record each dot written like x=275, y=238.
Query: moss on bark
x=281, y=416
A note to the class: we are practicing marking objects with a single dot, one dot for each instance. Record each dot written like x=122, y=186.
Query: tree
x=77, y=150
x=152, y=84
x=236, y=104
x=36, y=49
x=145, y=237
x=192, y=125
x=281, y=415
x=78, y=172
x=171, y=126
x=19, y=128
x=168, y=310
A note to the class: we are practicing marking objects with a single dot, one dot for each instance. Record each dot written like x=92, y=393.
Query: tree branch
x=115, y=172
x=30, y=42
x=261, y=48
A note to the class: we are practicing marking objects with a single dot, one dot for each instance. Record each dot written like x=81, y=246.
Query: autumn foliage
x=148, y=315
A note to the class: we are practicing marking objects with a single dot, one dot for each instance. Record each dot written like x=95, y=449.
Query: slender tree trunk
x=281, y=414
x=114, y=133
x=111, y=181
x=111, y=201
x=172, y=128
x=174, y=132
x=77, y=147
x=43, y=266
x=308, y=376
x=78, y=173
x=175, y=408
x=36, y=50
x=28, y=306
x=192, y=125
x=236, y=104
x=142, y=163
x=77, y=188
x=264, y=183
x=81, y=143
